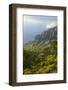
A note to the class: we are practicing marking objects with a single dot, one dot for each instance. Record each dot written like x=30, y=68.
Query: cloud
x=48, y=22
x=51, y=24
x=30, y=20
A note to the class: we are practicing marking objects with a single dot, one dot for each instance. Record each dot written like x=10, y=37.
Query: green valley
x=40, y=55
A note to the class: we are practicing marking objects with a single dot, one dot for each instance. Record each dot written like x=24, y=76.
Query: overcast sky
x=34, y=25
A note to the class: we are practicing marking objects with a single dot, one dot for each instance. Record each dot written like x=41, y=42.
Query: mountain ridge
x=44, y=37
x=48, y=35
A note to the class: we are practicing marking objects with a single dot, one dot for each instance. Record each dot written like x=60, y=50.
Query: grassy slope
x=40, y=58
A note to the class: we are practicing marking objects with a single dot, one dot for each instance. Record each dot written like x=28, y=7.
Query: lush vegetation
x=40, y=56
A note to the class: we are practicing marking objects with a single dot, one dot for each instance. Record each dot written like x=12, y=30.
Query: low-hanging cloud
x=51, y=24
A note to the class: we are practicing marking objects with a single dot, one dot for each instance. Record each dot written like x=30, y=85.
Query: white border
x=39, y=77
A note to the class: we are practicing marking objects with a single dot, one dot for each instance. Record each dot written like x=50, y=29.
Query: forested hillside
x=40, y=55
